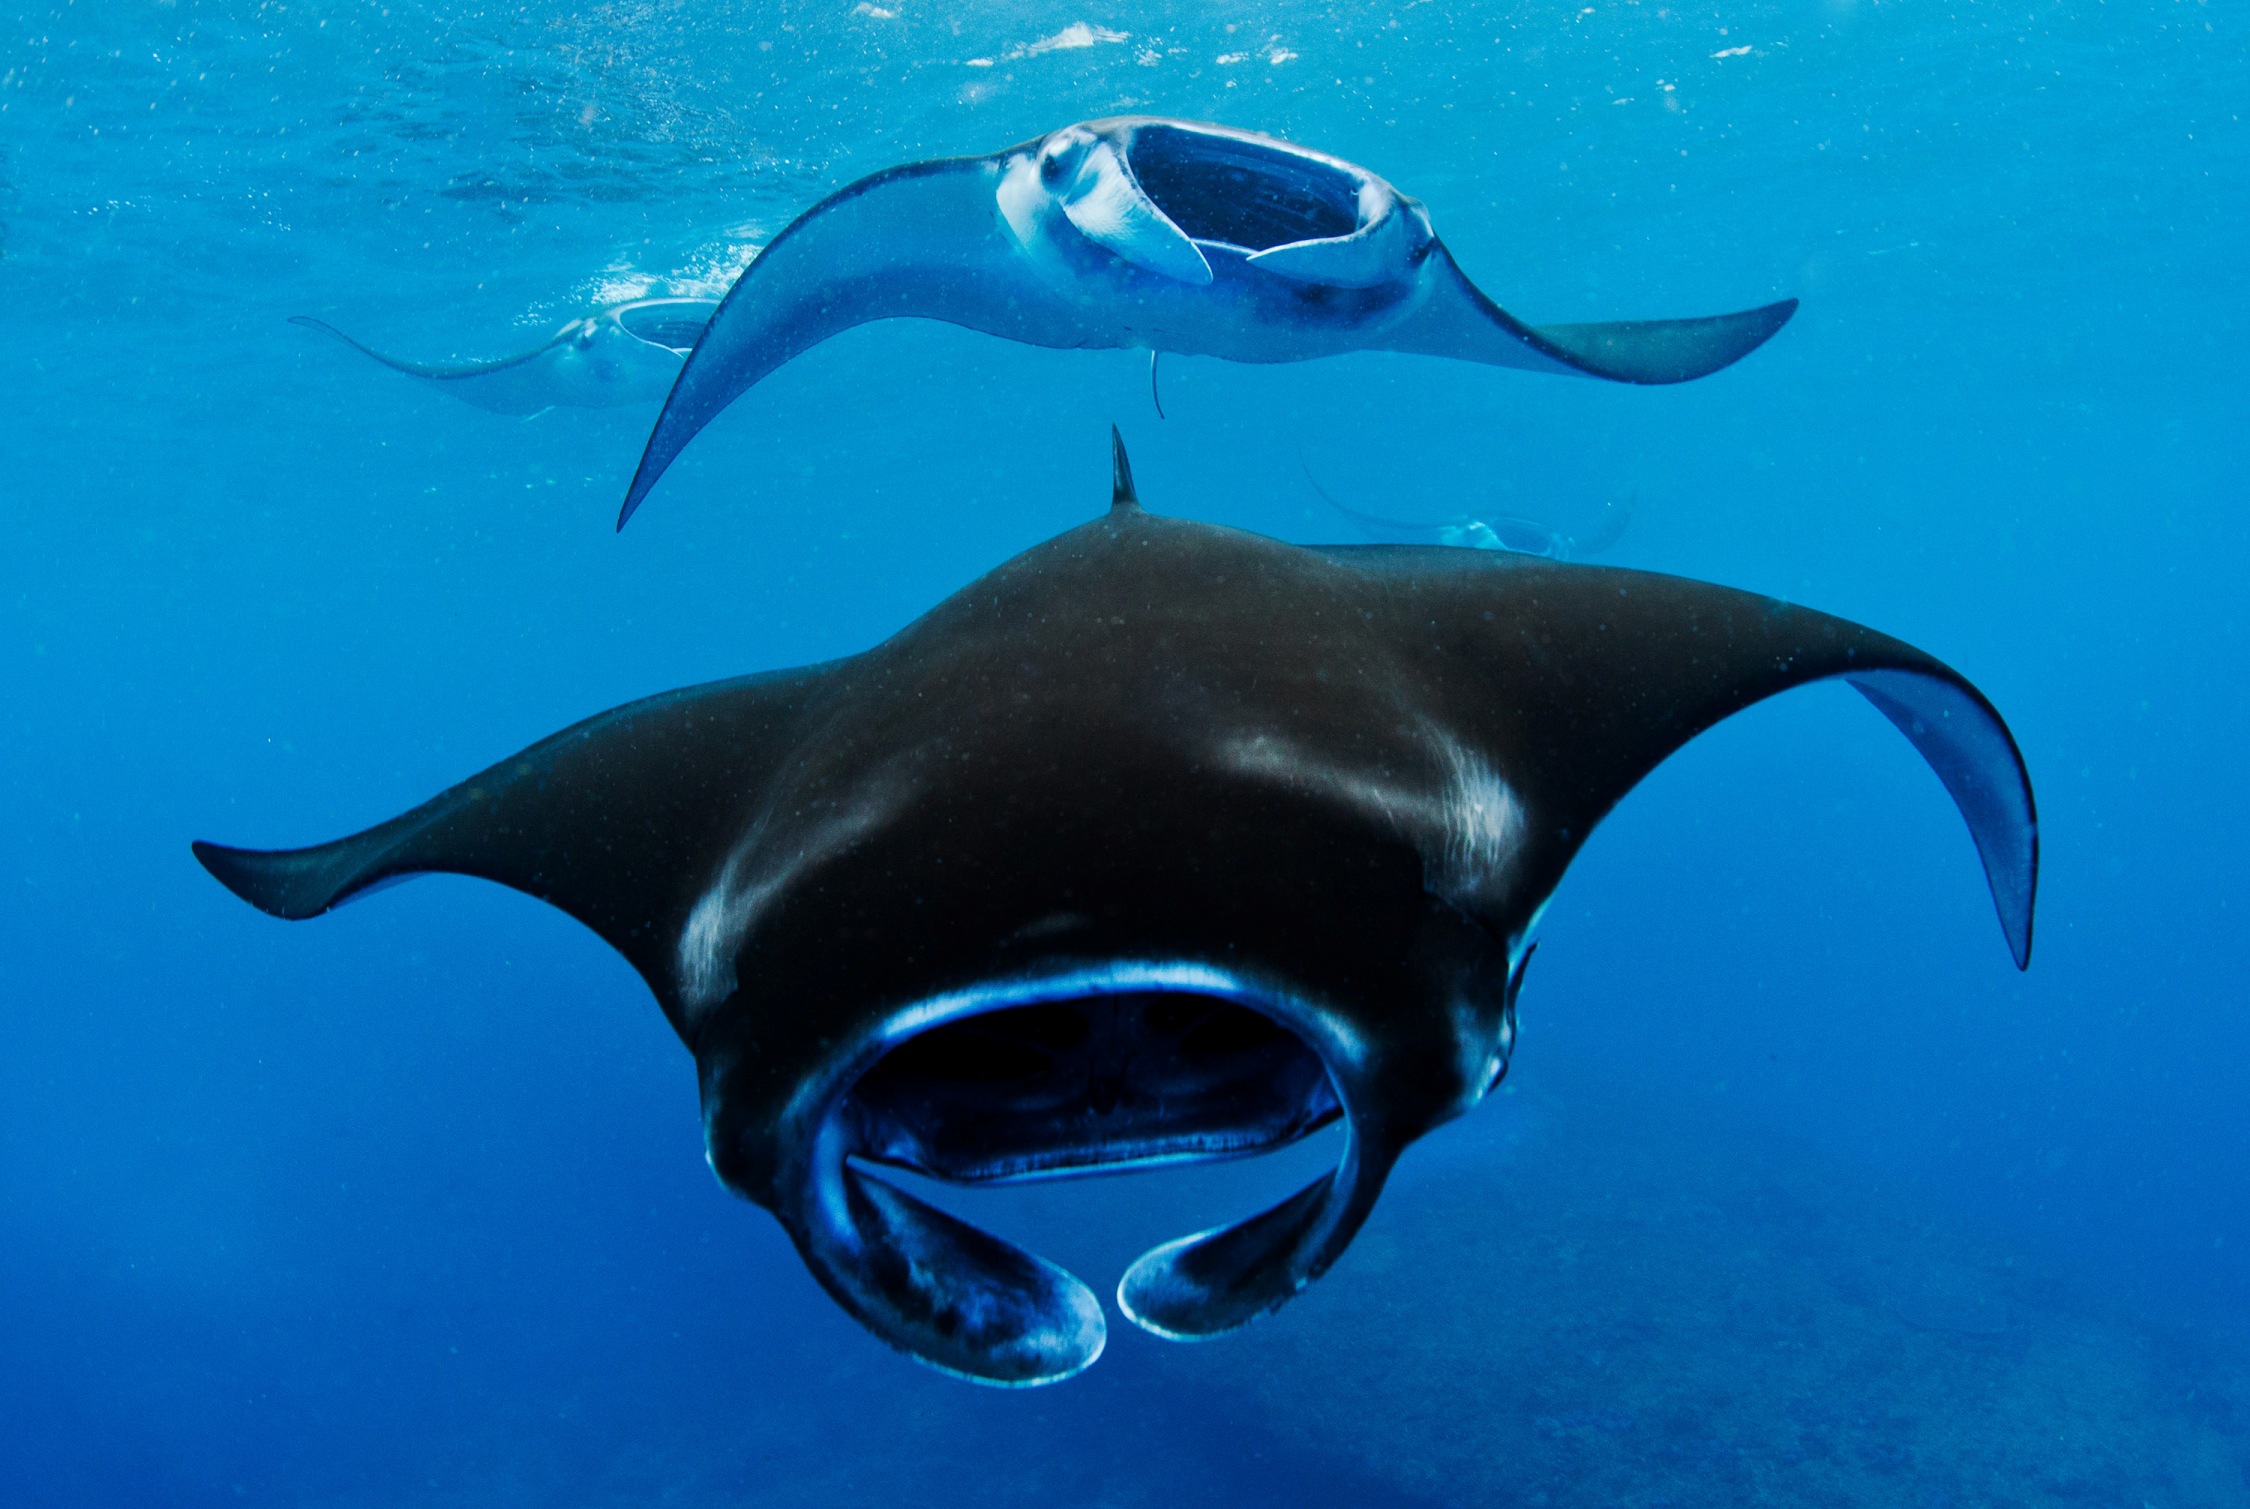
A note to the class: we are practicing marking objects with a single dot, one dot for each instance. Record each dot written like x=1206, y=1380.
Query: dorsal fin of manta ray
x=1148, y=775
x=598, y=821
x=1164, y=234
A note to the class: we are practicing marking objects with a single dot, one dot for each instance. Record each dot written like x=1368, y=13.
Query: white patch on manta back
x=723, y=915
x=1484, y=826
x=1468, y=831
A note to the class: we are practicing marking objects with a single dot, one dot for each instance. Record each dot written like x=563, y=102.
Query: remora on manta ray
x=1143, y=232
x=621, y=354
x=1162, y=842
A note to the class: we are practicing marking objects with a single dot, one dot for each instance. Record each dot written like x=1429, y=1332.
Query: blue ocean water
x=1799, y=1193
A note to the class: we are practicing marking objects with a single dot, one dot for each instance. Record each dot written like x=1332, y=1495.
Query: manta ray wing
x=1459, y=321
x=920, y=241
x=1635, y=664
x=507, y=385
x=607, y=820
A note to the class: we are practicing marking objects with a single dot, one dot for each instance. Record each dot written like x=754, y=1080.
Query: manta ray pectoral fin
x=1637, y=664
x=1666, y=351
x=1457, y=320
x=602, y=820
x=922, y=241
x=1969, y=748
x=508, y=385
x=941, y=1290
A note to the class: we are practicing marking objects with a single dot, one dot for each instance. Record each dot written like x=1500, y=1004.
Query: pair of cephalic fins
x=1161, y=842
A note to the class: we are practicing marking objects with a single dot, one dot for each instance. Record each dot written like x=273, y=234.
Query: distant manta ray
x=623, y=354
x=1161, y=843
x=1160, y=234
x=1489, y=531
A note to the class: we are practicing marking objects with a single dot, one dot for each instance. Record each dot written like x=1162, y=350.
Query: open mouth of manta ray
x=676, y=323
x=1240, y=193
x=1124, y=1065
x=1089, y=1084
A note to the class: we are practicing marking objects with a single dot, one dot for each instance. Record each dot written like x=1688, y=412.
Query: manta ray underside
x=1142, y=232
x=1161, y=842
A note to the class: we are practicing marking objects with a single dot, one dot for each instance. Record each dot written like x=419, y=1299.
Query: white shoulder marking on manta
x=723, y=915
x=1483, y=825
x=1468, y=833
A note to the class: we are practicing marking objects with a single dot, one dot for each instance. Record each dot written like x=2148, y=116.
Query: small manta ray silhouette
x=1162, y=842
x=622, y=354
x=1489, y=531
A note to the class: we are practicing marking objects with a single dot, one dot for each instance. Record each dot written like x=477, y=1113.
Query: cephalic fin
x=1110, y=209
x=943, y=1291
x=1216, y=1281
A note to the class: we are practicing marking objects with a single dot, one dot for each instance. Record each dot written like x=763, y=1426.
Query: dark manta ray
x=624, y=354
x=1141, y=232
x=1162, y=842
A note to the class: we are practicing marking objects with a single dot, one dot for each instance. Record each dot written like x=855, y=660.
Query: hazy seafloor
x=1800, y=1194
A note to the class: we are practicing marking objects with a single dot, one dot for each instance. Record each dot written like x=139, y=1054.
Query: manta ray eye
x=1062, y=157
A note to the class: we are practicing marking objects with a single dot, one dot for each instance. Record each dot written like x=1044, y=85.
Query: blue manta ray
x=619, y=355
x=1161, y=234
x=1488, y=531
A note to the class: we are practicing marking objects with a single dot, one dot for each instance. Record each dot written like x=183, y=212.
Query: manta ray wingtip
x=632, y=504
x=275, y=882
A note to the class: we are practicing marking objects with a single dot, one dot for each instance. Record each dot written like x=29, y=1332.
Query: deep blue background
x=408, y=1205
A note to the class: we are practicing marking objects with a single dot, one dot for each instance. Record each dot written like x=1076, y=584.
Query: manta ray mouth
x=1240, y=193
x=1089, y=1084
x=674, y=323
x=1122, y=1065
